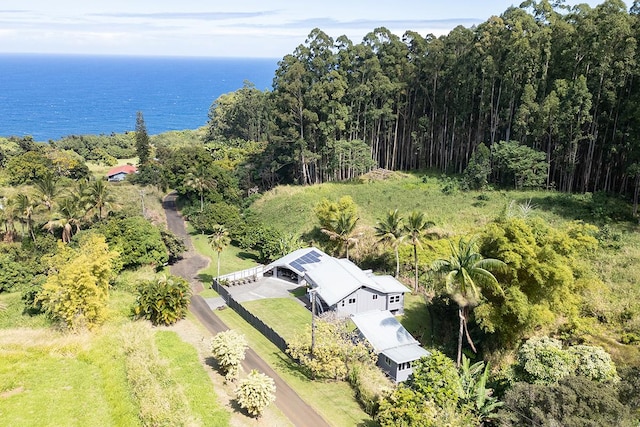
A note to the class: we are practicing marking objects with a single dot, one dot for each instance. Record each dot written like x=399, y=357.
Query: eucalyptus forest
x=561, y=81
x=494, y=171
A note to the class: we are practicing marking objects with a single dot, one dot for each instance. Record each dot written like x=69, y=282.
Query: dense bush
x=174, y=244
x=229, y=348
x=573, y=402
x=17, y=268
x=213, y=214
x=544, y=361
x=137, y=240
x=255, y=392
x=163, y=301
x=336, y=349
x=76, y=290
x=371, y=385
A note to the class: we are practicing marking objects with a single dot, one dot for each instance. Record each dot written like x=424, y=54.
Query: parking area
x=266, y=287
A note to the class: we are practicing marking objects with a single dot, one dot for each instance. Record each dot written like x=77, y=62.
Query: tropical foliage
x=77, y=286
x=466, y=273
x=163, y=300
x=331, y=352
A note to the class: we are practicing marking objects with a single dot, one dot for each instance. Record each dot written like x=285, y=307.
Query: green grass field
x=51, y=378
x=285, y=315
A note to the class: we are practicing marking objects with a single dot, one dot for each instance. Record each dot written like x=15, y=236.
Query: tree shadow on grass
x=594, y=208
x=206, y=279
x=287, y=364
x=417, y=320
x=213, y=363
x=248, y=255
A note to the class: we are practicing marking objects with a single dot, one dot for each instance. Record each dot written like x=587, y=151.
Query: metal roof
x=334, y=278
x=300, y=260
x=387, y=336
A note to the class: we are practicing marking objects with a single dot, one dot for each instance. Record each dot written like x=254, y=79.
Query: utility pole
x=142, y=201
x=312, y=294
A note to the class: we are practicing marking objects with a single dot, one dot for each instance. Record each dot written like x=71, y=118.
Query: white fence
x=253, y=273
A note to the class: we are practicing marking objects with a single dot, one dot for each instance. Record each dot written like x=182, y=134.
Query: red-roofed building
x=119, y=173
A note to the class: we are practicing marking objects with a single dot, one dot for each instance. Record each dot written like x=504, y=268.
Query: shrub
x=77, y=290
x=370, y=385
x=437, y=378
x=229, y=348
x=594, y=363
x=573, y=402
x=255, y=392
x=163, y=300
x=138, y=241
x=543, y=361
x=336, y=349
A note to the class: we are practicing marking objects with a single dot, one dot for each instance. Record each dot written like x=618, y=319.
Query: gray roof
x=300, y=260
x=334, y=278
x=387, y=336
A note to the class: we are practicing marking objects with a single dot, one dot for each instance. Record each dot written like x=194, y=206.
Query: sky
x=230, y=28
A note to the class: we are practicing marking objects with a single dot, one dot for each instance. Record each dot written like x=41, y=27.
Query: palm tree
x=465, y=274
x=200, y=182
x=219, y=240
x=390, y=231
x=8, y=217
x=342, y=229
x=67, y=217
x=98, y=197
x=415, y=228
x=25, y=205
x=47, y=189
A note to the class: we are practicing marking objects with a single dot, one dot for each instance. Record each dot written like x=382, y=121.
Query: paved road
x=287, y=400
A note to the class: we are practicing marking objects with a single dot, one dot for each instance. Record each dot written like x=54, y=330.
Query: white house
x=396, y=348
x=340, y=285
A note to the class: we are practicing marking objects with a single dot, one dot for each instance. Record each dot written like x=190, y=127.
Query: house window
x=343, y=303
x=405, y=365
x=395, y=298
x=387, y=361
x=352, y=300
x=375, y=296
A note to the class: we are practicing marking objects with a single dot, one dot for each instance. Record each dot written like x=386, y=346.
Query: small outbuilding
x=397, y=350
x=119, y=173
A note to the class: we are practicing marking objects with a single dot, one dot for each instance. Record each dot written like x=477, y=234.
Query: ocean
x=51, y=96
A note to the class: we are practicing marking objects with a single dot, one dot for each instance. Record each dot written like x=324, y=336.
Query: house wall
x=118, y=177
x=387, y=366
x=394, y=303
x=403, y=372
x=397, y=372
x=360, y=301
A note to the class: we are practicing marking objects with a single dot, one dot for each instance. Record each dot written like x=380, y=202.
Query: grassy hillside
x=290, y=208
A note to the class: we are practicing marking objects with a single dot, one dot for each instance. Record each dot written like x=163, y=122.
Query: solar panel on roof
x=297, y=266
x=315, y=254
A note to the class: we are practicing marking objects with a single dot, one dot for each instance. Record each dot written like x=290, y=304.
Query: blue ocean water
x=51, y=96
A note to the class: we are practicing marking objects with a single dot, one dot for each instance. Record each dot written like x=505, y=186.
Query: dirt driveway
x=287, y=400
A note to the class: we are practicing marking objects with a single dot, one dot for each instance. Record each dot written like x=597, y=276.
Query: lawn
x=333, y=400
x=285, y=315
x=232, y=258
